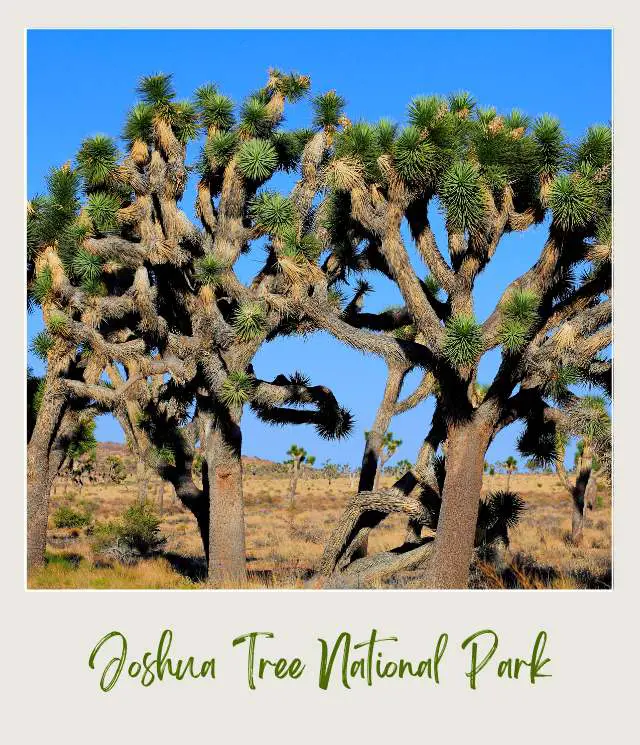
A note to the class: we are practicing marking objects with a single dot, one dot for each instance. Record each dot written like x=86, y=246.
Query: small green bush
x=140, y=528
x=67, y=517
x=135, y=535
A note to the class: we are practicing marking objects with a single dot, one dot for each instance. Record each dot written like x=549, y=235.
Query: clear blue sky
x=80, y=83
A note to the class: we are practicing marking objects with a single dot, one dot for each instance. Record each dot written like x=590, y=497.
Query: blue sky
x=80, y=83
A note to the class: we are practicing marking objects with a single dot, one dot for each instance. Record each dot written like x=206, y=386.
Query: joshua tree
x=589, y=419
x=403, y=466
x=510, y=466
x=491, y=175
x=130, y=287
x=298, y=456
x=388, y=450
x=330, y=470
x=116, y=471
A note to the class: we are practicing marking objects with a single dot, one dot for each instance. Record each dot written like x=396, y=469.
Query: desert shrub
x=68, y=517
x=135, y=535
x=140, y=528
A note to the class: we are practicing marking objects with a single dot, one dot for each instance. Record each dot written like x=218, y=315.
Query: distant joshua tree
x=330, y=470
x=298, y=458
x=510, y=466
x=116, y=471
x=387, y=451
x=590, y=420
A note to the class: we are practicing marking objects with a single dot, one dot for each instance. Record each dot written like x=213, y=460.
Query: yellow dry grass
x=284, y=546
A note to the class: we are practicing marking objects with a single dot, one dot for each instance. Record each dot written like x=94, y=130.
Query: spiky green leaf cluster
x=215, y=110
x=58, y=324
x=386, y=131
x=249, y=320
x=255, y=119
x=327, y=109
x=463, y=341
x=102, y=207
x=51, y=214
x=97, y=161
x=360, y=142
x=504, y=509
x=42, y=285
x=41, y=344
x=462, y=196
x=550, y=146
x=237, y=389
x=289, y=147
x=415, y=158
x=257, y=159
x=219, y=149
x=139, y=124
x=209, y=270
x=293, y=86
x=184, y=121
x=157, y=91
x=572, y=201
x=461, y=103
x=272, y=212
x=432, y=286
x=86, y=266
x=519, y=313
x=306, y=246
x=595, y=147
x=424, y=111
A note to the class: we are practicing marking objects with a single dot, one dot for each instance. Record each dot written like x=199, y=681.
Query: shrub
x=140, y=528
x=67, y=517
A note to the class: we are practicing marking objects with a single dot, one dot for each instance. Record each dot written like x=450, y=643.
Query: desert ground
x=284, y=545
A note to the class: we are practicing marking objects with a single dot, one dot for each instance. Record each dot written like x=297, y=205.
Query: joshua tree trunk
x=578, y=494
x=161, y=498
x=227, y=560
x=591, y=492
x=371, y=459
x=293, y=484
x=142, y=478
x=40, y=474
x=453, y=549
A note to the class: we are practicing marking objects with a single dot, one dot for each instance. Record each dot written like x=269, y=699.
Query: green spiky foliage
x=139, y=124
x=83, y=440
x=184, y=121
x=461, y=103
x=463, y=342
x=424, y=111
x=595, y=148
x=237, y=389
x=86, y=266
x=97, y=161
x=386, y=131
x=294, y=246
x=416, y=159
x=215, y=110
x=58, y=324
x=551, y=150
x=292, y=86
x=249, y=320
x=519, y=312
x=328, y=108
x=157, y=91
x=102, y=207
x=255, y=119
x=272, y=212
x=572, y=201
x=289, y=147
x=257, y=159
x=209, y=270
x=462, y=197
x=360, y=143
x=41, y=344
x=219, y=149
x=42, y=285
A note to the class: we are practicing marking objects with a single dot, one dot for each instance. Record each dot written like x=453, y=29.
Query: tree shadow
x=193, y=568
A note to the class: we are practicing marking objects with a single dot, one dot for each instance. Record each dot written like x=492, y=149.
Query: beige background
x=50, y=695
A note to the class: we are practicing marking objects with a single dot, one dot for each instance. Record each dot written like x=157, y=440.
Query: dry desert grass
x=283, y=545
